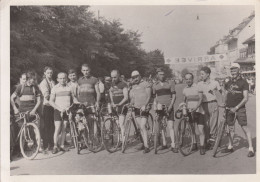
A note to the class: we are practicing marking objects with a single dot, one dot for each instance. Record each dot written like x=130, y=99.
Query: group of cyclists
x=200, y=99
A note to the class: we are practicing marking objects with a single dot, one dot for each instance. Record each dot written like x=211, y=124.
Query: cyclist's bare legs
x=120, y=122
x=172, y=131
x=63, y=133
x=201, y=134
x=56, y=132
x=249, y=137
x=141, y=121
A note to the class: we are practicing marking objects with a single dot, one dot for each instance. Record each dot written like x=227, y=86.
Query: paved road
x=135, y=162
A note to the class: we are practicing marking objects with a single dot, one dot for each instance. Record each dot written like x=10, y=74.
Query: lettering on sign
x=196, y=59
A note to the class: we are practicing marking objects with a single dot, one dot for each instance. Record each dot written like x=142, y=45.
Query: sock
x=251, y=149
x=230, y=147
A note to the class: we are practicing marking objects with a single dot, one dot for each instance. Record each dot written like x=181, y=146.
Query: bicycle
x=88, y=131
x=160, y=125
x=29, y=135
x=222, y=128
x=110, y=131
x=130, y=119
x=186, y=136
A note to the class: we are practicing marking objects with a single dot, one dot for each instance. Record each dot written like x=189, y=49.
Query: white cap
x=235, y=65
x=135, y=73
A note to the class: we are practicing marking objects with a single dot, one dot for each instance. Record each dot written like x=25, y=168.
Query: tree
x=65, y=37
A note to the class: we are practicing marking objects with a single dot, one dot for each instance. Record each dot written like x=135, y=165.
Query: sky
x=178, y=31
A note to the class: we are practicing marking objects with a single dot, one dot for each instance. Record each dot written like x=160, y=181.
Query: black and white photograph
x=130, y=90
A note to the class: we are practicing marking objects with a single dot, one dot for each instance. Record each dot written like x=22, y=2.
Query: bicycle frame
x=23, y=116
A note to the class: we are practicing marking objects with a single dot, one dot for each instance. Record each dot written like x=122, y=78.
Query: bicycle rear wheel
x=219, y=137
x=125, y=135
x=30, y=140
x=110, y=135
x=185, y=137
x=94, y=136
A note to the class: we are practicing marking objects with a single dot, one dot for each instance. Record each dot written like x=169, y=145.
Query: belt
x=210, y=101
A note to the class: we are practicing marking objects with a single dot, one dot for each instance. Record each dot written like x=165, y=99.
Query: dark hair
x=85, y=65
x=30, y=75
x=159, y=70
x=206, y=69
x=189, y=74
x=71, y=71
x=47, y=68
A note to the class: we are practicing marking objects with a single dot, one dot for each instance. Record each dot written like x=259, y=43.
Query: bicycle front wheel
x=185, y=137
x=218, y=139
x=94, y=136
x=30, y=140
x=110, y=135
x=74, y=136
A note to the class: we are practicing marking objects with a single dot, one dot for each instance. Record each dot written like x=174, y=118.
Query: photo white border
x=5, y=97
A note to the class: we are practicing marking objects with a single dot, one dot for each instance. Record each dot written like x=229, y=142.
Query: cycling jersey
x=164, y=91
x=192, y=97
x=117, y=91
x=62, y=95
x=87, y=92
x=27, y=96
x=139, y=94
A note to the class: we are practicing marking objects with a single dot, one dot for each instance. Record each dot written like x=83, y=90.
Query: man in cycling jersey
x=193, y=99
x=140, y=95
x=165, y=95
x=60, y=100
x=236, y=98
x=29, y=95
x=119, y=97
x=88, y=89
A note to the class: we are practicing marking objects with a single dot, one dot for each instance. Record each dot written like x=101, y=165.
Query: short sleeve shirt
x=208, y=90
x=27, y=98
x=164, y=91
x=192, y=97
x=117, y=91
x=63, y=95
x=139, y=94
x=74, y=88
x=87, y=92
x=235, y=91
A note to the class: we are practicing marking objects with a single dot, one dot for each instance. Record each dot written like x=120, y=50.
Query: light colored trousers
x=210, y=118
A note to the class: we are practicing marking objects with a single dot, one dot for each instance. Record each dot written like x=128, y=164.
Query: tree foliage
x=65, y=37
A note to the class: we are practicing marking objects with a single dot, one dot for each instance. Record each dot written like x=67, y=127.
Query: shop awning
x=245, y=60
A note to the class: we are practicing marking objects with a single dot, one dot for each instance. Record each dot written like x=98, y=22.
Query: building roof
x=250, y=39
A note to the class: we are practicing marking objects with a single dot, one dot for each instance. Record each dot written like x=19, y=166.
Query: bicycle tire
x=185, y=137
x=94, y=136
x=110, y=136
x=126, y=135
x=27, y=131
x=219, y=137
